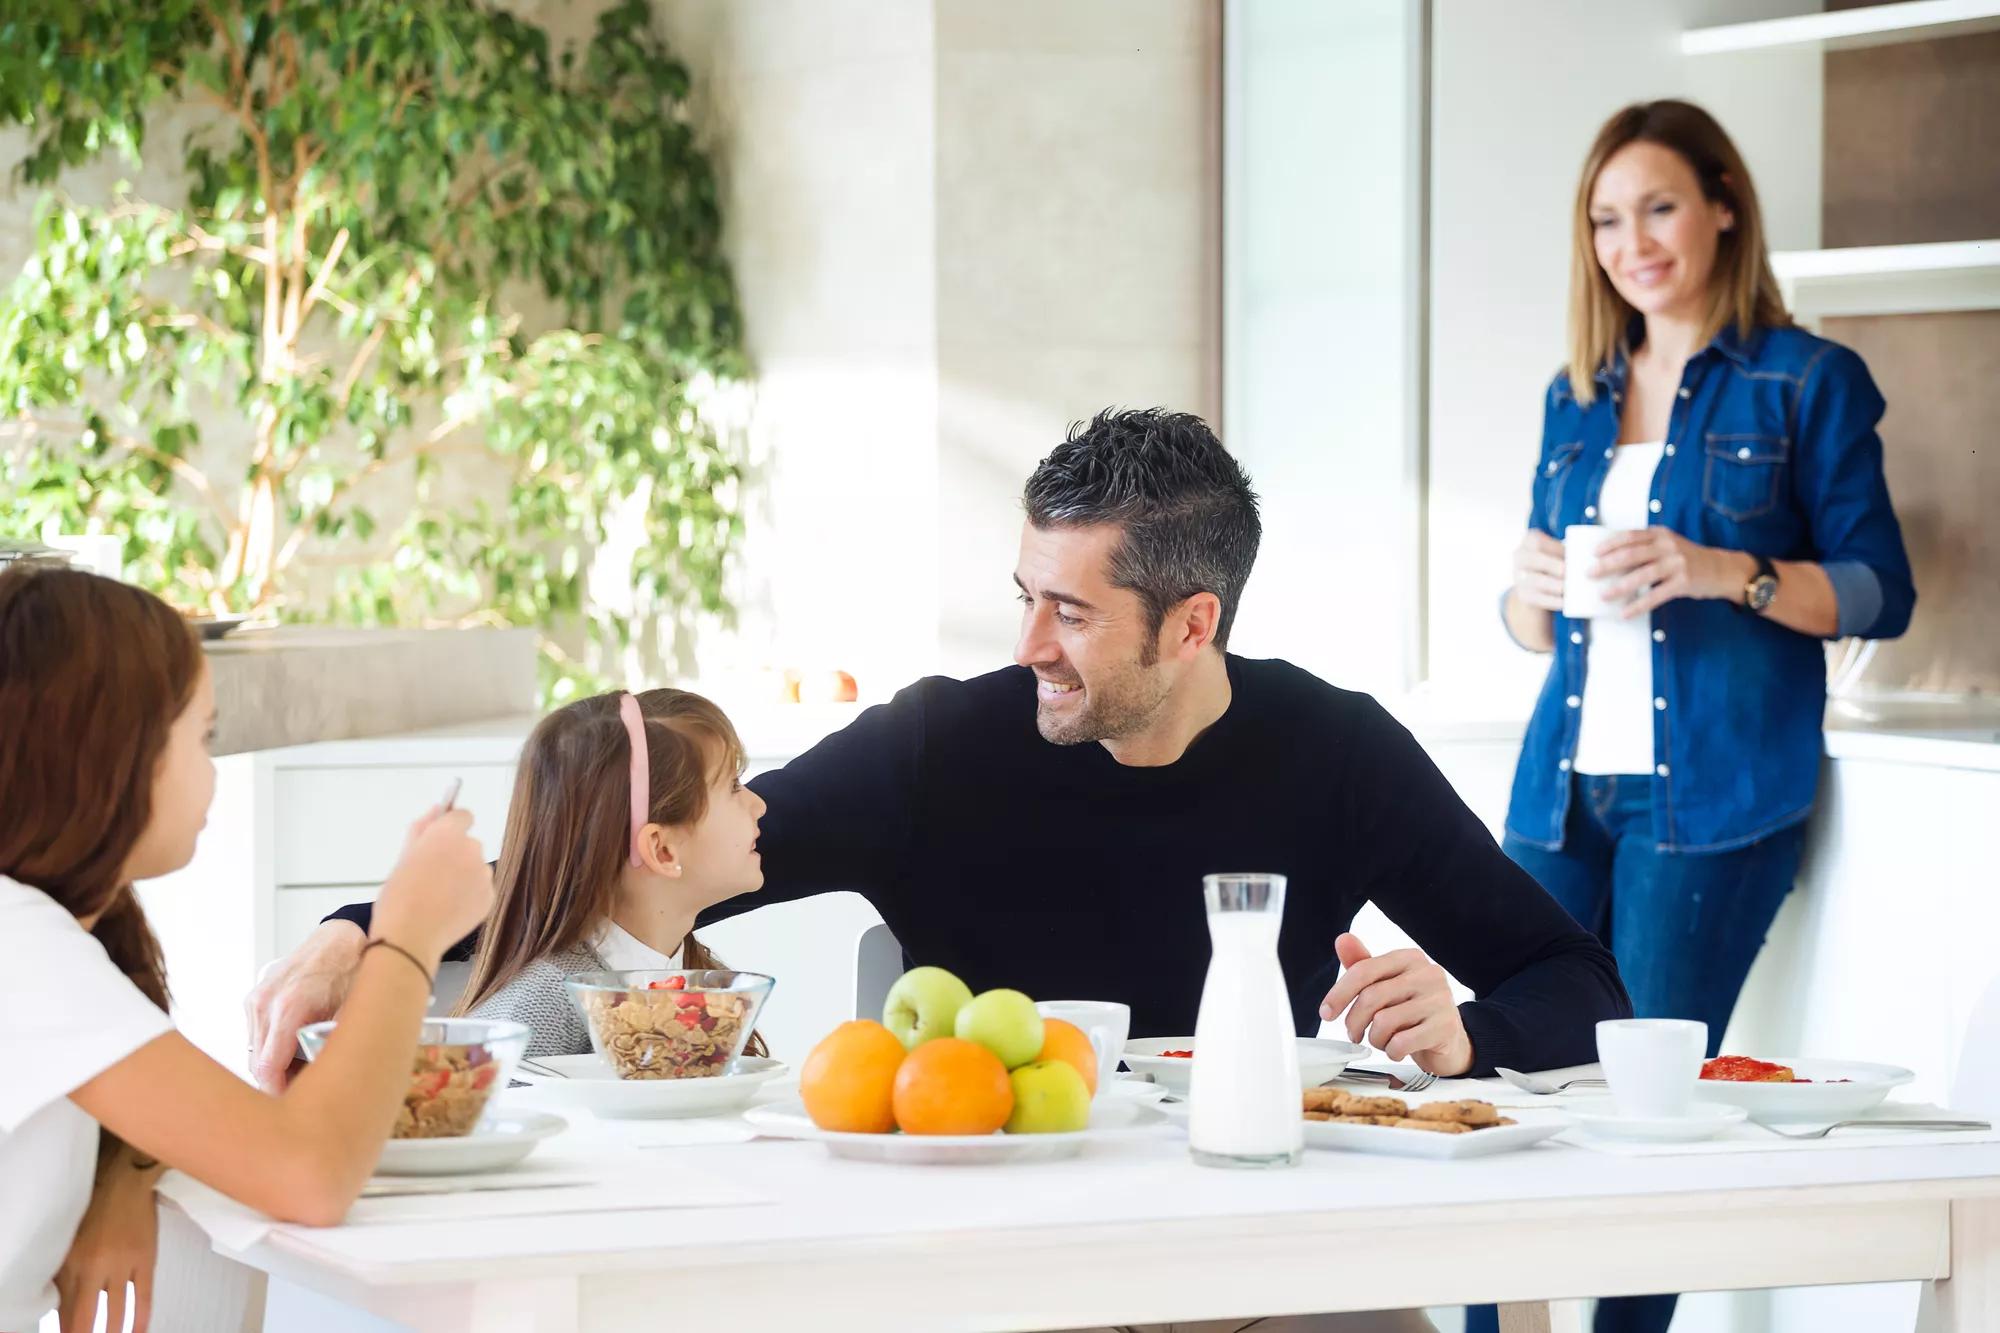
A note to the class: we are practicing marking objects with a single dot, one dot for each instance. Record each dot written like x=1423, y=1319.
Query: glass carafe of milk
x=1243, y=1101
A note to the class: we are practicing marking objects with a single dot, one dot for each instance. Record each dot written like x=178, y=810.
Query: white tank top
x=1616, y=735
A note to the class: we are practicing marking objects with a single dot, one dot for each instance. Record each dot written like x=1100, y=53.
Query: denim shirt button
x=1654, y=506
x=1611, y=452
x=1576, y=636
x=1552, y=469
x=1670, y=451
x=1659, y=704
x=1659, y=636
x=1574, y=702
x=1562, y=765
x=1743, y=453
x=1686, y=392
x=1590, y=511
x=1661, y=769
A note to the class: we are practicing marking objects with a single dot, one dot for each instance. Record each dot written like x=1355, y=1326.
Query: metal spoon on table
x=1541, y=1087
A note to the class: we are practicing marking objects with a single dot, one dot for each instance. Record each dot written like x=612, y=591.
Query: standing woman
x=1674, y=754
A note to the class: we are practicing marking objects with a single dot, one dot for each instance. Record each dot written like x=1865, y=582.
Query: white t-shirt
x=66, y=1015
x=1616, y=730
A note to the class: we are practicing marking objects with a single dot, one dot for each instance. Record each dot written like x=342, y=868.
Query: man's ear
x=1193, y=624
x=658, y=852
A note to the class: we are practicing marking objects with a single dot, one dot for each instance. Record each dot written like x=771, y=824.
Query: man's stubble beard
x=1121, y=707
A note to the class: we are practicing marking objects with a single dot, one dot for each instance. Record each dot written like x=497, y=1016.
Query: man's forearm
x=1545, y=1016
x=362, y=916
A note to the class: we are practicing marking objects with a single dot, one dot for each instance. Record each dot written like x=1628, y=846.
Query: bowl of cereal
x=458, y=1065
x=669, y=1024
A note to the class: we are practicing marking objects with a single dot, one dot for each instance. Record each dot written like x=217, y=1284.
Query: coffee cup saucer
x=1601, y=1117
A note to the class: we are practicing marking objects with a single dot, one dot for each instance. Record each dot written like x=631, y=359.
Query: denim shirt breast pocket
x=1557, y=470
x=1741, y=474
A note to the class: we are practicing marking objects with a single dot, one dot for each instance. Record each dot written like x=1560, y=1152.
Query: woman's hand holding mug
x=1538, y=571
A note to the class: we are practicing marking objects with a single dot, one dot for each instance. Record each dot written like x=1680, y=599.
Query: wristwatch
x=1762, y=589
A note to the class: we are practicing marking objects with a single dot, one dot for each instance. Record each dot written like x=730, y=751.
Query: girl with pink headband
x=628, y=818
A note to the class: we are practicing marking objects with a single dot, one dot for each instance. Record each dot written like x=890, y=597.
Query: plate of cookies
x=1357, y=1122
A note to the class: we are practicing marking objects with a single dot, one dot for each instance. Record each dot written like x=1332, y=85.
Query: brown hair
x=1742, y=289
x=569, y=826
x=93, y=674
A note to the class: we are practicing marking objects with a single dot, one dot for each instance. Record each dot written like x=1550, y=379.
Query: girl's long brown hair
x=93, y=674
x=1742, y=289
x=569, y=825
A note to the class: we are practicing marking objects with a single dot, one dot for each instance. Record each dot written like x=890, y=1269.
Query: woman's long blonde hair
x=1742, y=289
x=569, y=826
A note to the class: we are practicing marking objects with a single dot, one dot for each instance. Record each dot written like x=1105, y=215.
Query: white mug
x=1652, y=1064
x=1106, y=1022
x=1583, y=596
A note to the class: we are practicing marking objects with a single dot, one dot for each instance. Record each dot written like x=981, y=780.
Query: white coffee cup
x=1583, y=596
x=1652, y=1064
x=1106, y=1022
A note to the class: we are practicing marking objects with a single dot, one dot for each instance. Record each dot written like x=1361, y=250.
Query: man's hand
x=114, y=1245
x=307, y=986
x=1400, y=1004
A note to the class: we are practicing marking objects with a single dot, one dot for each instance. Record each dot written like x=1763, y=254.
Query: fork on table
x=1416, y=1082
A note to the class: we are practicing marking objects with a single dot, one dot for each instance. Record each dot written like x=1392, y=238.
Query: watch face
x=1763, y=590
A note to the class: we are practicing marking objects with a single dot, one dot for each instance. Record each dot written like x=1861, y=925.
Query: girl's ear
x=657, y=852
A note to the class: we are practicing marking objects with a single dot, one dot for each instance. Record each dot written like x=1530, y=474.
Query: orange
x=950, y=1086
x=849, y=1080
x=1066, y=1042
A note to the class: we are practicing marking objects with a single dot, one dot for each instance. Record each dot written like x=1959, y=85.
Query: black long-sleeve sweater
x=1058, y=871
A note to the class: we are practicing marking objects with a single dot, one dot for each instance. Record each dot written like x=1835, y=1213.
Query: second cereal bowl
x=669, y=1024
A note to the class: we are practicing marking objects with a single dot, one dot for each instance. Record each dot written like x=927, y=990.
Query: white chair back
x=878, y=961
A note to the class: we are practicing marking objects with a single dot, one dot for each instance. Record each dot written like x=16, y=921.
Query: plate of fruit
x=953, y=1078
x=1793, y=1089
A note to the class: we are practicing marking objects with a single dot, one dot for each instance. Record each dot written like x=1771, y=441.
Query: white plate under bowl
x=1108, y=1120
x=1320, y=1058
x=588, y=1082
x=502, y=1139
x=1822, y=1100
x=1600, y=1117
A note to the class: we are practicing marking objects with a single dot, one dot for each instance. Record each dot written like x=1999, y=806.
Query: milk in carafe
x=1243, y=1098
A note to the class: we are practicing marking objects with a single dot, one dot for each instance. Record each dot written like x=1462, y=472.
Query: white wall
x=819, y=120
x=1076, y=259
x=1518, y=91
x=957, y=228
x=1322, y=329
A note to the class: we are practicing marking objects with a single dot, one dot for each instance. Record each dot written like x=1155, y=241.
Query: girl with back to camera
x=106, y=708
x=1672, y=759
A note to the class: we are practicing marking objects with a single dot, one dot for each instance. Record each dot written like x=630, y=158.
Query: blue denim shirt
x=1771, y=449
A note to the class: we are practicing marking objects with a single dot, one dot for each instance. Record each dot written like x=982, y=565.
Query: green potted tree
x=413, y=233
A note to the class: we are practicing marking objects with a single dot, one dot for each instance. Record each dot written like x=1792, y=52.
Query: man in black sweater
x=1047, y=826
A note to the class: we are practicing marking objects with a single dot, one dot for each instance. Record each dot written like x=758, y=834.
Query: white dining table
x=1134, y=1232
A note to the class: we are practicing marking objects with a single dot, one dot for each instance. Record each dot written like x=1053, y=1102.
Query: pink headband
x=642, y=769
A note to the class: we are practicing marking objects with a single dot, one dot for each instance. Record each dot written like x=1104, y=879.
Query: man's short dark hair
x=1186, y=507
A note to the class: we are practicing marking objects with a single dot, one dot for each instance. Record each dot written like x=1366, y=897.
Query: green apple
x=1050, y=1097
x=1005, y=1023
x=924, y=1003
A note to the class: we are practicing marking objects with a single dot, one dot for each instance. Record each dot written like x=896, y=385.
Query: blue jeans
x=1684, y=927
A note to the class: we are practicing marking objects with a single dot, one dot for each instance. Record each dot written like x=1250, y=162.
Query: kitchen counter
x=300, y=683
x=1945, y=732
